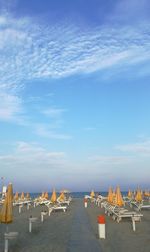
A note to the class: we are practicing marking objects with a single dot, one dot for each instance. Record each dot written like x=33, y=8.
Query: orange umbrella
x=27, y=196
x=92, y=194
x=22, y=196
x=129, y=194
x=62, y=196
x=110, y=195
x=146, y=193
x=46, y=195
x=16, y=197
x=6, y=214
x=138, y=196
x=118, y=199
x=43, y=195
x=54, y=196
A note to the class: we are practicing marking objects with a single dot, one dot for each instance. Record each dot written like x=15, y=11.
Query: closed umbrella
x=138, y=196
x=27, y=196
x=119, y=200
x=129, y=194
x=54, y=196
x=16, y=197
x=62, y=196
x=22, y=196
x=110, y=196
x=42, y=195
x=46, y=195
x=92, y=194
x=6, y=214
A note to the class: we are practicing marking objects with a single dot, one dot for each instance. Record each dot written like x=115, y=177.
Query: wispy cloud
x=11, y=107
x=32, y=155
x=49, y=132
x=142, y=148
x=30, y=51
x=54, y=112
x=109, y=160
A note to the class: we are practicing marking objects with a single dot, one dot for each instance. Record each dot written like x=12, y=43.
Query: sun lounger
x=126, y=214
x=139, y=206
x=64, y=202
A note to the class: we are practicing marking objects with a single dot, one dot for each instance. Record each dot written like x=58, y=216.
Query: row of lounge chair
x=118, y=213
x=58, y=205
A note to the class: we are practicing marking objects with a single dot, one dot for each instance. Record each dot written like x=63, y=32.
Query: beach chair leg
x=42, y=217
x=49, y=212
x=133, y=223
x=19, y=209
x=30, y=226
x=118, y=219
x=6, y=245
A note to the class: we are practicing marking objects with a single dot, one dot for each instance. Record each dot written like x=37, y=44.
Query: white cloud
x=32, y=155
x=53, y=112
x=142, y=148
x=109, y=160
x=30, y=51
x=48, y=132
x=10, y=107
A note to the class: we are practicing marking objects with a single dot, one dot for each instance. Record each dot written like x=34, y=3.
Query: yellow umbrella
x=6, y=214
x=16, y=197
x=22, y=196
x=54, y=196
x=46, y=195
x=27, y=196
x=42, y=195
x=118, y=199
x=62, y=196
x=92, y=194
x=146, y=193
x=129, y=194
x=110, y=196
x=138, y=196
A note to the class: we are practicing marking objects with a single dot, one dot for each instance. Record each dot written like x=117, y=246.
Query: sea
x=75, y=194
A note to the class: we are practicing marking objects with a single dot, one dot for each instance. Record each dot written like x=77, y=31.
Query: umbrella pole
x=6, y=245
x=6, y=228
x=6, y=240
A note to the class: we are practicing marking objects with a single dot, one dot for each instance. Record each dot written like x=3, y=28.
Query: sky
x=75, y=94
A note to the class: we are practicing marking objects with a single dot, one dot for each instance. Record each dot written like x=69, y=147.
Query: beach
x=75, y=230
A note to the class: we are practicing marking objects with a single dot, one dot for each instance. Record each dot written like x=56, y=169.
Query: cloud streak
x=142, y=148
x=32, y=155
x=29, y=50
x=109, y=160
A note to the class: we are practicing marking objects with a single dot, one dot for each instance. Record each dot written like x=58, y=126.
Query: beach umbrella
x=42, y=195
x=146, y=193
x=118, y=199
x=16, y=197
x=92, y=194
x=110, y=195
x=46, y=195
x=27, y=196
x=138, y=196
x=6, y=214
x=54, y=196
x=62, y=196
x=129, y=194
x=22, y=196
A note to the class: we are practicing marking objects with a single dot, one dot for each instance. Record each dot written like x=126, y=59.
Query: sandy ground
x=120, y=237
x=75, y=231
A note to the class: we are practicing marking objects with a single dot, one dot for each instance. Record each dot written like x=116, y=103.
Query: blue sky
x=75, y=94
